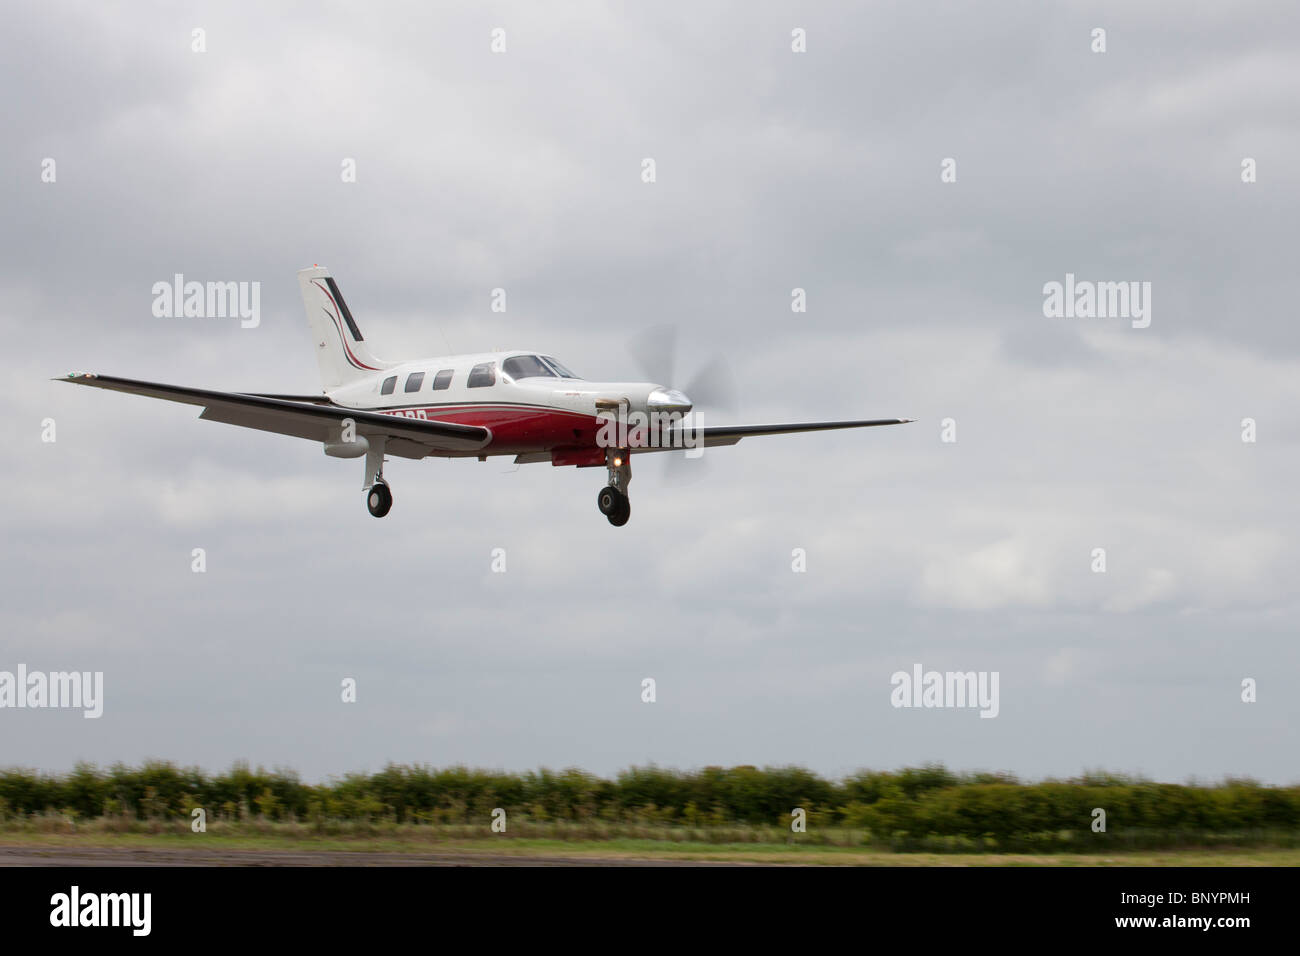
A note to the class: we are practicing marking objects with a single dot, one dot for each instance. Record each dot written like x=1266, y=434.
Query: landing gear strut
x=613, y=500
x=378, y=498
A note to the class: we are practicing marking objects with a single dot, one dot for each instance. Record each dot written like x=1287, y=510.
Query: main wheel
x=607, y=500
x=379, y=499
x=619, y=517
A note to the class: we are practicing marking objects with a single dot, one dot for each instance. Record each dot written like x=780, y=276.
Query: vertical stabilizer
x=341, y=350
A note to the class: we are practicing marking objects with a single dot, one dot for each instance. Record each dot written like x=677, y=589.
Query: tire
x=379, y=499
x=619, y=518
x=608, y=499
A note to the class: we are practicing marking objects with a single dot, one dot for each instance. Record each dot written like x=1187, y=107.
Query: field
x=428, y=846
x=925, y=816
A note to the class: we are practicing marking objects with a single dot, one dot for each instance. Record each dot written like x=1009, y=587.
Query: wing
x=314, y=419
x=710, y=435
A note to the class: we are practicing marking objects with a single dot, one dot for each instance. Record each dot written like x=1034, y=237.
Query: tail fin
x=343, y=355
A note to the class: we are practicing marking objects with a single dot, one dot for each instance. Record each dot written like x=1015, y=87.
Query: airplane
x=521, y=403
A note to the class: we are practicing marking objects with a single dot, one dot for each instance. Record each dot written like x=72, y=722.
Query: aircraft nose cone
x=668, y=400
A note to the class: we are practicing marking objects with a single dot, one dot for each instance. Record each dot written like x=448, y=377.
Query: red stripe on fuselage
x=515, y=429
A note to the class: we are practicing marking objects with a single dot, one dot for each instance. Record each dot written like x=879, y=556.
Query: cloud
x=776, y=170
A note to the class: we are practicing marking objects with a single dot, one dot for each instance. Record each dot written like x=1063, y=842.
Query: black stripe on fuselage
x=343, y=307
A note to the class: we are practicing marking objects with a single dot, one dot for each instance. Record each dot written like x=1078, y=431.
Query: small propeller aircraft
x=520, y=403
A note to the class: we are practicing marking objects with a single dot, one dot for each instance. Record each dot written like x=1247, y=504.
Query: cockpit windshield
x=534, y=366
x=560, y=369
x=527, y=366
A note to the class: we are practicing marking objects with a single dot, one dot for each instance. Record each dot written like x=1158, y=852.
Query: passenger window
x=390, y=383
x=482, y=375
x=414, y=381
x=442, y=380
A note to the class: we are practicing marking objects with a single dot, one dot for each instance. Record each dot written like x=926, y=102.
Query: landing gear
x=607, y=500
x=379, y=499
x=613, y=500
x=619, y=518
x=613, y=504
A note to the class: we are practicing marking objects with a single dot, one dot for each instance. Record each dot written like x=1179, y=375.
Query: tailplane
x=340, y=349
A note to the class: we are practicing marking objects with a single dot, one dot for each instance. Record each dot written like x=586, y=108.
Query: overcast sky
x=775, y=170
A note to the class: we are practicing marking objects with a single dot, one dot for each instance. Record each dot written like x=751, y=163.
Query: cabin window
x=390, y=383
x=414, y=381
x=482, y=375
x=526, y=366
x=442, y=380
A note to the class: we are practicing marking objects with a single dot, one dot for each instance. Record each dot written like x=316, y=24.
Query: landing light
x=618, y=462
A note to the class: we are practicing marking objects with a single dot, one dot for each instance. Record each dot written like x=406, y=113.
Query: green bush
x=926, y=807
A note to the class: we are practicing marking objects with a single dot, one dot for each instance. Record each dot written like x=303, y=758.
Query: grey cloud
x=776, y=171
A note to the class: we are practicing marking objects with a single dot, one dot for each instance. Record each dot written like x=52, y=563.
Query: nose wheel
x=379, y=499
x=612, y=500
x=614, y=505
